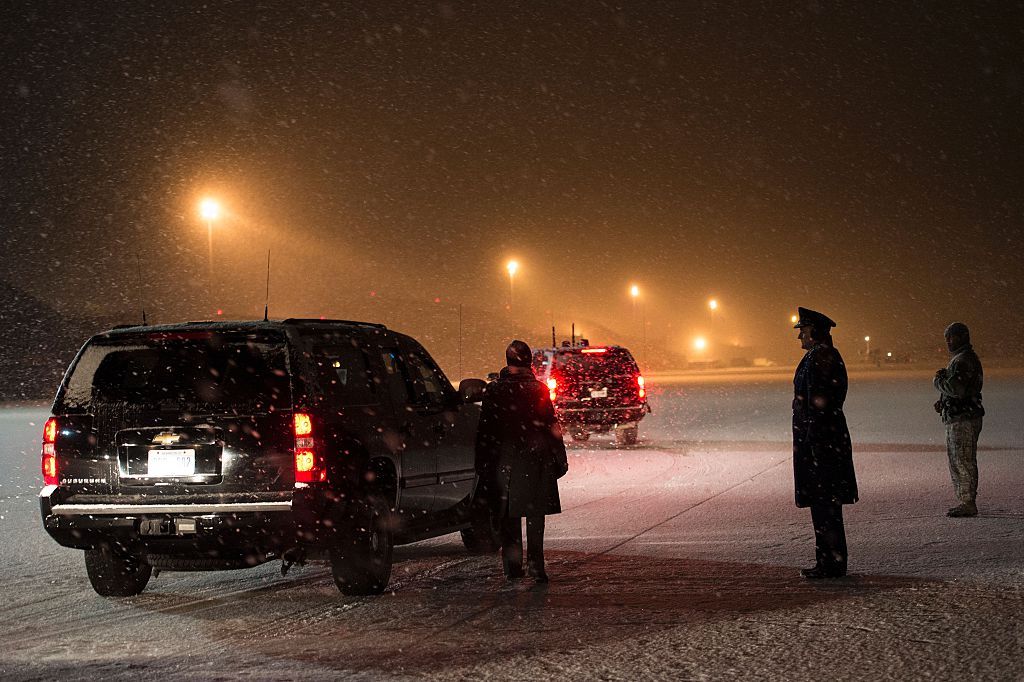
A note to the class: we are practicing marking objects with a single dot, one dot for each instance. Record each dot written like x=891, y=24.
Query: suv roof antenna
x=142, y=303
x=266, y=305
x=554, y=343
x=573, y=344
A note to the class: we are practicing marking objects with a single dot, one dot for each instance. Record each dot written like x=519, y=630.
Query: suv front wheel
x=116, y=573
x=361, y=559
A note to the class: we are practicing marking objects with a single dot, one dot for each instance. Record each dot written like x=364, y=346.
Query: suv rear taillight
x=640, y=390
x=50, y=452
x=552, y=389
x=308, y=468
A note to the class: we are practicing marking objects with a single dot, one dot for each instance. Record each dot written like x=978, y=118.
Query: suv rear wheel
x=116, y=573
x=626, y=436
x=361, y=560
x=581, y=436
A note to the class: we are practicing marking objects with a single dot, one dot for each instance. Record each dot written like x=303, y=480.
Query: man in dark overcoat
x=520, y=456
x=822, y=452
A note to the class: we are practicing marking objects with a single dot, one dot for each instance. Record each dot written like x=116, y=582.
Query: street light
x=713, y=304
x=700, y=343
x=209, y=210
x=793, y=319
x=867, y=346
x=634, y=293
x=512, y=267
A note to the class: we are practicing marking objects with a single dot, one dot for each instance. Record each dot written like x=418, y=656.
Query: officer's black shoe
x=539, y=576
x=822, y=573
x=965, y=510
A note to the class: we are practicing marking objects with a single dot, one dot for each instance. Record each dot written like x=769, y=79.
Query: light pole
x=867, y=348
x=512, y=267
x=209, y=210
x=634, y=293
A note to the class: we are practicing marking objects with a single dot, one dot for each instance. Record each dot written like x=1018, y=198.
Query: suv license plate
x=172, y=463
x=599, y=393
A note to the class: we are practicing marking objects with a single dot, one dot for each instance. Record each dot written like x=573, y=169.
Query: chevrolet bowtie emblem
x=166, y=438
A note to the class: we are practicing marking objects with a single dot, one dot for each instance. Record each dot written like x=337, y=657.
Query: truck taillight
x=641, y=391
x=308, y=468
x=303, y=425
x=50, y=452
x=552, y=388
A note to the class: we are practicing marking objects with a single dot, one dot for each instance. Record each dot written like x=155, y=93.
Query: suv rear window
x=578, y=364
x=190, y=370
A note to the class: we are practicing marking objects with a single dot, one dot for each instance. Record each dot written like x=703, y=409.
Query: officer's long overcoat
x=519, y=450
x=822, y=452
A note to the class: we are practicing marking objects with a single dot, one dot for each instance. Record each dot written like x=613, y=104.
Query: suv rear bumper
x=604, y=417
x=273, y=524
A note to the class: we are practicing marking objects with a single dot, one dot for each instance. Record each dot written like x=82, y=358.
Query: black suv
x=594, y=389
x=221, y=445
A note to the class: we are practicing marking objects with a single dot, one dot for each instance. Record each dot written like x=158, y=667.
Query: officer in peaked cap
x=823, y=474
x=812, y=318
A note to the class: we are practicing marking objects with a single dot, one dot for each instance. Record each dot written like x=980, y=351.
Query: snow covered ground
x=674, y=559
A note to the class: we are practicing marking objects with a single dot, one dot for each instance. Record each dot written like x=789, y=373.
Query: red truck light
x=307, y=468
x=552, y=388
x=49, y=453
x=641, y=391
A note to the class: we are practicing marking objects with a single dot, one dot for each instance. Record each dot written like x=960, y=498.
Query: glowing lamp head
x=513, y=267
x=634, y=291
x=209, y=209
x=713, y=304
x=700, y=343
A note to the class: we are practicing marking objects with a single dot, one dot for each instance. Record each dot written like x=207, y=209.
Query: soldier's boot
x=963, y=510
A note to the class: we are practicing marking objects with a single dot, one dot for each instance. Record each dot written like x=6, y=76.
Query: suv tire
x=626, y=436
x=116, y=573
x=361, y=559
x=482, y=537
x=581, y=436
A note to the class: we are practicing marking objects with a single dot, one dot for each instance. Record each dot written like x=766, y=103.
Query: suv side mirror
x=471, y=390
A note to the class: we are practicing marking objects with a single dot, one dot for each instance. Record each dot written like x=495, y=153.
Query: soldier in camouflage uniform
x=959, y=403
